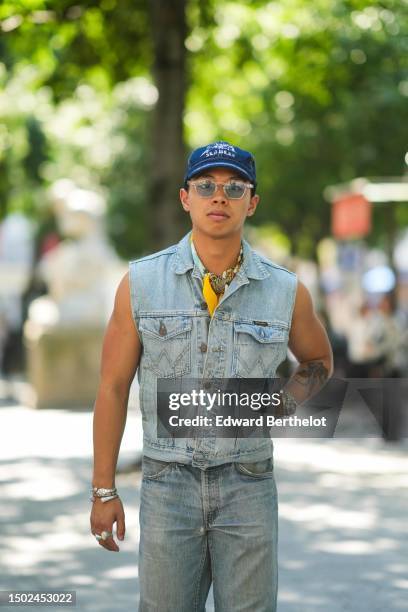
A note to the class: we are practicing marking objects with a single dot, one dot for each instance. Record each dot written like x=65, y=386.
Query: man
x=209, y=307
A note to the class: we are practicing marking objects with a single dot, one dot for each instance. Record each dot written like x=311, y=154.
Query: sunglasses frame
x=216, y=183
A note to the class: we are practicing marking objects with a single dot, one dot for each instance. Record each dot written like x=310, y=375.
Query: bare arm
x=310, y=345
x=120, y=358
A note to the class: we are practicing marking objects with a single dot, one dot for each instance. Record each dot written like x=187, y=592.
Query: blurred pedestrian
x=367, y=339
x=377, y=348
x=16, y=257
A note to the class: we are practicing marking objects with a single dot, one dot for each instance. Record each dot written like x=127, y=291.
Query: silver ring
x=106, y=534
x=98, y=536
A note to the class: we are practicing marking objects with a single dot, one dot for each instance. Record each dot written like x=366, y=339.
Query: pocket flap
x=263, y=333
x=164, y=328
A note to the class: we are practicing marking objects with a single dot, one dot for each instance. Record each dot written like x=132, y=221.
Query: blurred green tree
x=317, y=90
x=102, y=44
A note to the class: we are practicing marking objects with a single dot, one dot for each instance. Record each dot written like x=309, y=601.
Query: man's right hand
x=120, y=357
x=103, y=516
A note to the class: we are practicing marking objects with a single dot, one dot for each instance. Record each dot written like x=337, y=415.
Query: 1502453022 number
x=40, y=598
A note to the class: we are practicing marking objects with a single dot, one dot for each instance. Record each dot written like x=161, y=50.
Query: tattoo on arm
x=312, y=375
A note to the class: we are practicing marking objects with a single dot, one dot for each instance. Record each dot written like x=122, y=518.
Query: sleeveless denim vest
x=246, y=337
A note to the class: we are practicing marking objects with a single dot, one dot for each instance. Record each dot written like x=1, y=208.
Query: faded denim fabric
x=246, y=337
x=216, y=525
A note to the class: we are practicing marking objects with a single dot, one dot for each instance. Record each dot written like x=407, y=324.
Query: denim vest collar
x=252, y=267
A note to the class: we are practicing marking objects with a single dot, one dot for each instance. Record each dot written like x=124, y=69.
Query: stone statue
x=64, y=330
x=83, y=270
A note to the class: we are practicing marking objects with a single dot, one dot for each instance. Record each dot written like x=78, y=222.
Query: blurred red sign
x=351, y=216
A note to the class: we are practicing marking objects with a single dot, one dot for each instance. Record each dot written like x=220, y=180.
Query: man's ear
x=253, y=203
x=184, y=199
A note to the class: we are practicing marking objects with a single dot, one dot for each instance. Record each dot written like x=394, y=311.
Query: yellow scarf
x=210, y=297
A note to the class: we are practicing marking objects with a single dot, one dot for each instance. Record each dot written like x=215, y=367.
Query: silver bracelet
x=104, y=499
x=101, y=492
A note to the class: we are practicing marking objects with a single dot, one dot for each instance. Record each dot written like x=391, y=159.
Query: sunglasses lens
x=235, y=190
x=205, y=189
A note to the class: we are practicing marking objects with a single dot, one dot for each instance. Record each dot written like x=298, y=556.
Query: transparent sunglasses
x=234, y=190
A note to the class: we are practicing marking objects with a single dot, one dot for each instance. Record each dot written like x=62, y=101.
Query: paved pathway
x=343, y=530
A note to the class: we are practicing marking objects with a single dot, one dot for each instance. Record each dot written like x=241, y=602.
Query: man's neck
x=217, y=255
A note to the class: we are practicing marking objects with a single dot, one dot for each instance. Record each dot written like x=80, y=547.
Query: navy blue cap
x=221, y=155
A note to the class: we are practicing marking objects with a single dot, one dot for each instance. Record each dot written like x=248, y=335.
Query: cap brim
x=219, y=164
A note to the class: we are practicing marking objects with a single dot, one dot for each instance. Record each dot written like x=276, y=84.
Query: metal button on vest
x=203, y=347
x=162, y=329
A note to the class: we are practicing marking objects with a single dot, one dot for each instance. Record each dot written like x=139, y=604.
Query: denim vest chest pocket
x=258, y=348
x=166, y=344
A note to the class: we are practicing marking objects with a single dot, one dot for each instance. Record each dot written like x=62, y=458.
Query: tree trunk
x=167, y=153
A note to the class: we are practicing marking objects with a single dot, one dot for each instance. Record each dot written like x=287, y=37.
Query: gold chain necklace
x=219, y=282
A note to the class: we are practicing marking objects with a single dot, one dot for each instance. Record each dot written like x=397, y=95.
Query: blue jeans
x=216, y=525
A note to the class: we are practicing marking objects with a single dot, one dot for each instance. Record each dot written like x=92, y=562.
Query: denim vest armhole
x=134, y=298
x=293, y=292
